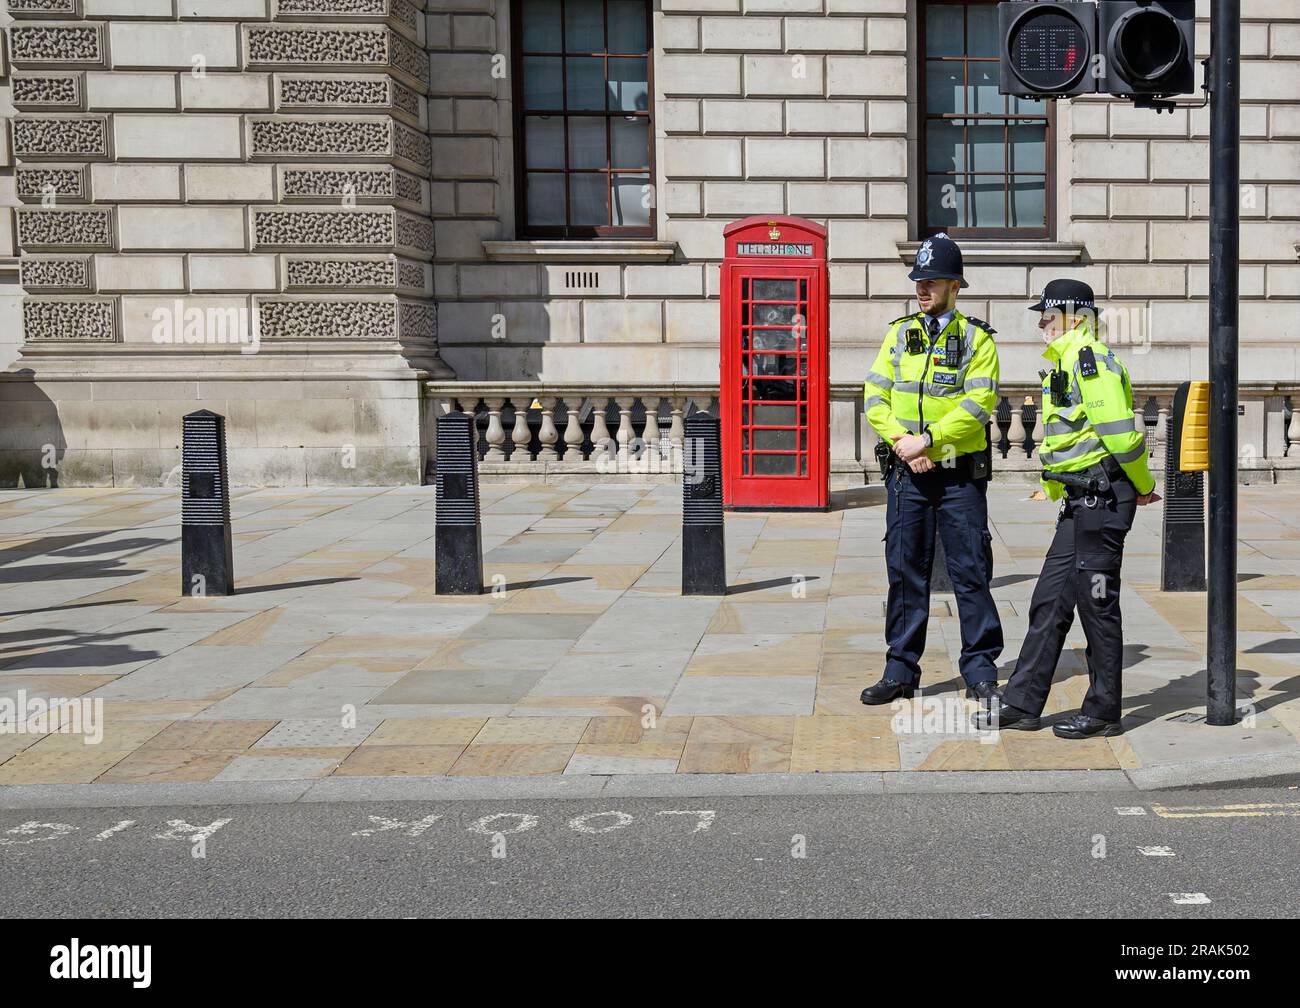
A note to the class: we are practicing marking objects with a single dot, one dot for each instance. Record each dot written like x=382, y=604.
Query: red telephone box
x=775, y=362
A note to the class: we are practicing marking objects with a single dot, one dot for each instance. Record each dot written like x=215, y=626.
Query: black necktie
x=934, y=328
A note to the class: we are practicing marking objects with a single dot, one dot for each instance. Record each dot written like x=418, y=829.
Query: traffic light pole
x=1225, y=201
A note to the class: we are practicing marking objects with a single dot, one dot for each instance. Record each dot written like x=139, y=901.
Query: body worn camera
x=1060, y=386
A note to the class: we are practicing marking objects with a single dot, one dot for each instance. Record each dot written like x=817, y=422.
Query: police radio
x=1060, y=386
x=952, y=351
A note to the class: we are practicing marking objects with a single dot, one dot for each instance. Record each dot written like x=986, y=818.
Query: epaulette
x=980, y=324
x=904, y=318
x=1087, y=362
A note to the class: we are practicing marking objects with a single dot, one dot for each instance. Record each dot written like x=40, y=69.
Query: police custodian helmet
x=1070, y=296
x=938, y=258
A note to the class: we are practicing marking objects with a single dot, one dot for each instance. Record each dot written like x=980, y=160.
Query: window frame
x=566, y=231
x=1045, y=233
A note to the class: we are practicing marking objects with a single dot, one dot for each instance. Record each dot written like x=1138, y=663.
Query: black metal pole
x=1225, y=187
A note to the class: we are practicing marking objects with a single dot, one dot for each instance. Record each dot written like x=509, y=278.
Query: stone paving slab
x=336, y=662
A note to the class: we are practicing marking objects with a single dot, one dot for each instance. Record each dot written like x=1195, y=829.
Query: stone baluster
x=625, y=432
x=1293, y=428
x=521, y=435
x=601, y=441
x=548, y=435
x=651, y=436
x=1016, y=432
x=676, y=433
x=1040, y=427
x=573, y=432
x=496, y=434
x=1162, y=430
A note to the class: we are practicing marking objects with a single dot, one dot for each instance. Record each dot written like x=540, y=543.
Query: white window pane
x=584, y=26
x=545, y=199
x=631, y=143
x=987, y=148
x=982, y=31
x=943, y=30
x=541, y=26
x=542, y=83
x=631, y=199
x=544, y=142
x=587, y=199
x=1028, y=201
x=586, y=83
x=988, y=201
x=1028, y=148
x=944, y=149
x=984, y=89
x=587, y=142
x=627, y=26
x=628, y=90
x=945, y=86
x=945, y=201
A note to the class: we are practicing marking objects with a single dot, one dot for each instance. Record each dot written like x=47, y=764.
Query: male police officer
x=1096, y=458
x=930, y=393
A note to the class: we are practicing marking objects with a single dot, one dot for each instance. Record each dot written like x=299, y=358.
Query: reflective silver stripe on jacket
x=978, y=383
x=975, y=410
x=874, y=400
x=933, y=389
x=912, y=425
x=1134, y=455
x=907, y=387
x=879, y=380
x=1066, y=425
x=1115, y=426
x=1073, y=452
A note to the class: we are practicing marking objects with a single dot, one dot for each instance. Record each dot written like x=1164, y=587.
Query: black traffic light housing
x=1140, y=49
x=1149, y=47
x=1048, y=49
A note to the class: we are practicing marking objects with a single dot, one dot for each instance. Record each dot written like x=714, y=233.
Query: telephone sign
x=775, y=364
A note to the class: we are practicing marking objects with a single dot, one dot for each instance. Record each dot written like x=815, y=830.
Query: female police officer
x=1096, y=459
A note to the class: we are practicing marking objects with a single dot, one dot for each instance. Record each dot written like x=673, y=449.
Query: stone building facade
x=328, y=219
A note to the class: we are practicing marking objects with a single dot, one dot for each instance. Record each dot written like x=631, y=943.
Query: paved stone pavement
x=337, y=658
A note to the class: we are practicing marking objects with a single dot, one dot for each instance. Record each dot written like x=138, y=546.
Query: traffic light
x=1141, y=49
x=1047, y=48
x=1149, y=47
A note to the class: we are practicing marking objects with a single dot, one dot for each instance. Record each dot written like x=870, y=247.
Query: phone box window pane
x=631, y=142
x=544, y=144
x=543, y=83
x=775, y=290
x=774, y=465
x=631, y=199
x=545, y=199
x=587, y=199
x=541, y=20
x=774, y=339
x=587, y=142
x=628, y=90
x=772, y=314
x=584, y=25
x=627, y=26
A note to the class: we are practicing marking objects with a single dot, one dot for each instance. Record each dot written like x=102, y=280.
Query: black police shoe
x=1005, y=716
x=984, y=692
x=886, y=691
x=1079, y=726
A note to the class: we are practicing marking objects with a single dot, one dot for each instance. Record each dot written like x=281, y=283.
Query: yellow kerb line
x=1226, y=811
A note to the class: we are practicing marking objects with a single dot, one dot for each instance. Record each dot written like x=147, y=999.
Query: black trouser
x=1081, y=570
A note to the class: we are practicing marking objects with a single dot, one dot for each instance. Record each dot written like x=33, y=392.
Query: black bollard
x=458, y=535
x=704, y=553
x=1182, y=552
x=207, y=563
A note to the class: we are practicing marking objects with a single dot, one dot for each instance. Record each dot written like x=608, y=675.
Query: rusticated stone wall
x=220, y=204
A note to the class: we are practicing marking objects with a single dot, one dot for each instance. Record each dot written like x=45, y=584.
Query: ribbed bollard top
x=456, y=491
x=205, y=495
x=702, y=470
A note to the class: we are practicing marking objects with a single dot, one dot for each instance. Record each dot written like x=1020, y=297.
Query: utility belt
x=972, y=465
x=1091, y=482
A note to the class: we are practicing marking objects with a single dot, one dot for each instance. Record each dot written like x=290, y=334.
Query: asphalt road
x=1062, y=855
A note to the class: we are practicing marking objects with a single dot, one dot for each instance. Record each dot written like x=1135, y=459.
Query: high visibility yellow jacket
x=907, y=392
x=1098, y=418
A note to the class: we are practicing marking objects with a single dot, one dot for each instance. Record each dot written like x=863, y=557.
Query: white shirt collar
x=944, y=319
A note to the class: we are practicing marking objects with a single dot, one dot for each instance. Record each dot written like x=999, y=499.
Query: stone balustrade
x=600, y=431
